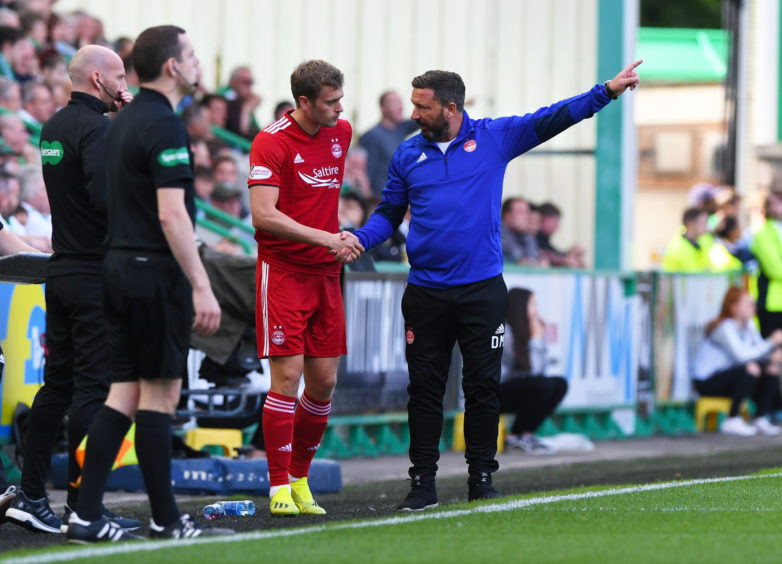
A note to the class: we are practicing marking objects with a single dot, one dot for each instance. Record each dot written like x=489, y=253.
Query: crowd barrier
x=622, y=340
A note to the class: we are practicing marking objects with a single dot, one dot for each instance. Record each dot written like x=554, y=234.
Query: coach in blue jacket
x=451, y=176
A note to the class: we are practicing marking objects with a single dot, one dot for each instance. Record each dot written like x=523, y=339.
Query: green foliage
x=675, y=13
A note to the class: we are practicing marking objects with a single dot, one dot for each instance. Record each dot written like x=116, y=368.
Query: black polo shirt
x=74, y=170
x=147, y=147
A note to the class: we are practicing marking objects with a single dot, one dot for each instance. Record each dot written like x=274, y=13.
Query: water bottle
x=220, y=509
x=213, y=511
x=240, y=508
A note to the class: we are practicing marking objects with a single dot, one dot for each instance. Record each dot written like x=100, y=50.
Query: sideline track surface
x=149, y=547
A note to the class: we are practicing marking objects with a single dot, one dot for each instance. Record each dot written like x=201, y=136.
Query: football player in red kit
x=296, y=168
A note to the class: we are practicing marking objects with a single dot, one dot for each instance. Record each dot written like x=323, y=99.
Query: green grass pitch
x=722, y=520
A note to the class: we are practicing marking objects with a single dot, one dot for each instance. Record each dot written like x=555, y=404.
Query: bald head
x=100, y=72
x=88, y=59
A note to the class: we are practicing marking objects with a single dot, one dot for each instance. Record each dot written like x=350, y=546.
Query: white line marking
x=125, y=548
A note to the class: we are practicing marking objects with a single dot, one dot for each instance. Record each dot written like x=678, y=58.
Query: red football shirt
x=308, y=171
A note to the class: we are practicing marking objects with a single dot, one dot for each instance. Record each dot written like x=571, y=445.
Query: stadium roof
x=683, y=55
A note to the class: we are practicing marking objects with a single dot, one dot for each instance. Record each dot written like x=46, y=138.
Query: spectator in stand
x=195, y=119
x=225, y=170
x=9, y=37
x=242, y=103
x=124, y=48
x=726, y=254
x=550, y=216
x=735, y=361
x=525, y=388
x=201, y=154
x=356, y=178
x=228, y=198
x=282, y=108
x=10, y=18
x=203, y=183
x=54, y=69
x=352, y=211
x=381, y=141
x=766, y=245
x=37, y=103
x=9, y=204
x=704, y=195
x=689, y=252
x=519, y=244
x=35, y=27
x=216, y=109
x=23, y=61
x=63, y=34
x=10, y=95
x=14, y=133
x=35, y=202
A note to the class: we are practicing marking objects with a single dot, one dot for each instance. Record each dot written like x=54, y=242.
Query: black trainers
x=479, y=487
x=102, y=530
x=184, y=528
x=6, y=499
x=36, y=516
x=123, y=522
x=423, y=495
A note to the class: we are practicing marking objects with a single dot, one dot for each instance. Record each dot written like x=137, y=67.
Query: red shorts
x=298, y=313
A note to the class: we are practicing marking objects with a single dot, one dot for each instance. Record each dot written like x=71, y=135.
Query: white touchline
x=141, y=546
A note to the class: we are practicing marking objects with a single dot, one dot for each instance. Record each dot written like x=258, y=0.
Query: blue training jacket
x=455, y=198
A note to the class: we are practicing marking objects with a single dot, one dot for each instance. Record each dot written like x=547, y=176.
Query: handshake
x=345, y=247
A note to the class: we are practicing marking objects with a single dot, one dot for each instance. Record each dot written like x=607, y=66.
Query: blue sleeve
x=391, y=211
x=522, y=133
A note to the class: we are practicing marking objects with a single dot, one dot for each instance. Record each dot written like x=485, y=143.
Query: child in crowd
x=735, y=361
x=525, y=389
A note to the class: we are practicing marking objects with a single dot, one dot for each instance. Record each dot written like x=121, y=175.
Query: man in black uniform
x=76, y=375
x=153, y=280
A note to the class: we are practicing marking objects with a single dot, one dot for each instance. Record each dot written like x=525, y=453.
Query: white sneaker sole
x=28, y=521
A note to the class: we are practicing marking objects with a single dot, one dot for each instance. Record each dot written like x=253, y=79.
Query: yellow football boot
x=282, y=505
x=302, y=497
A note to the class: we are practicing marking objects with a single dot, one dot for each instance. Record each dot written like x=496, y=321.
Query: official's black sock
x=153, y=447
x=103, y=443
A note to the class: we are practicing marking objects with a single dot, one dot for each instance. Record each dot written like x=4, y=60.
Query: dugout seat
x=226, y=439
x=458, y=433
x=710, y=410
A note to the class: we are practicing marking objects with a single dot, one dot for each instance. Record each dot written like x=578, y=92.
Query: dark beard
x=435, y=132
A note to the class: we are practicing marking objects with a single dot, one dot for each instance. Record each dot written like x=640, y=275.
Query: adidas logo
x=313, y=448
x=298, y=159
x=286, y=448
x=421, y=158
x=500, y=330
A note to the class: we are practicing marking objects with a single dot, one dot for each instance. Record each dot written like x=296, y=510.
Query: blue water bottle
x=213, y=511
x=240, y=508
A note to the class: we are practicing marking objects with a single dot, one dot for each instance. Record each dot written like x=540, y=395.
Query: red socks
x=292, y=441
x=277, y=434
x=309, y=424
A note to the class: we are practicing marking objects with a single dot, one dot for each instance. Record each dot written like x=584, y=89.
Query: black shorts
x=149, y=310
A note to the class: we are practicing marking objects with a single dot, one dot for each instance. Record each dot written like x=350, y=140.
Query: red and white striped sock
x=309, y=424
x=278, y=435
